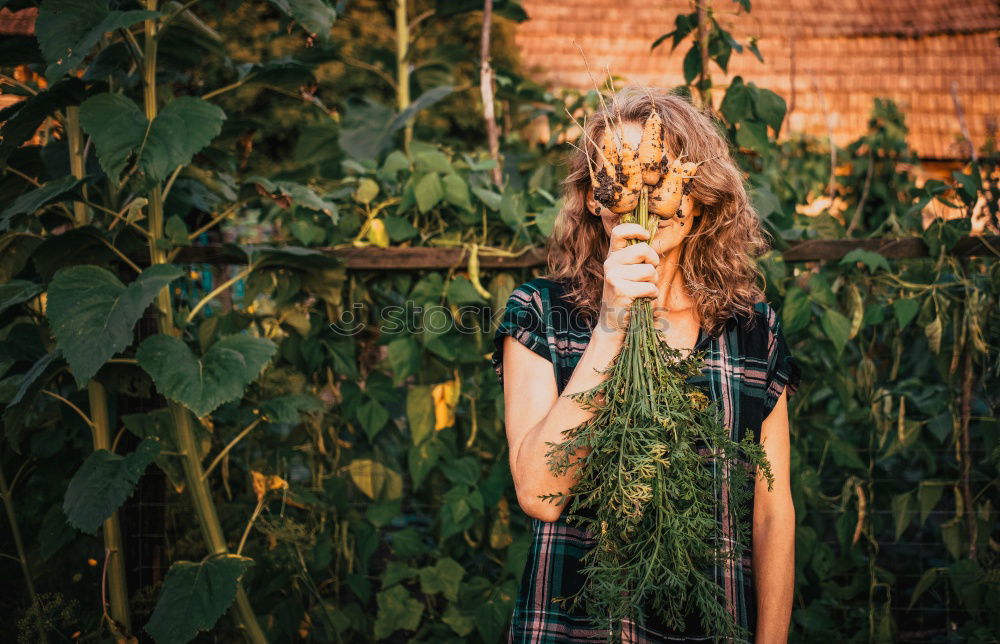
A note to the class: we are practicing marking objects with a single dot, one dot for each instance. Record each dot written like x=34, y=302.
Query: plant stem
x=201, y=496
x=403, y=69
x=703, y=33
x=118, y=591
x=99, y=421
x=217, y=290
x=486, y=89
x=225, y=450
x=15, y=530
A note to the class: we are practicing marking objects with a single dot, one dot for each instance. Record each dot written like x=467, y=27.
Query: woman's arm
x=774, y=532
x=536, y=414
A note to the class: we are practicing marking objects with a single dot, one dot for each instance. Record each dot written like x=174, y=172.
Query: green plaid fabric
x=748, y=365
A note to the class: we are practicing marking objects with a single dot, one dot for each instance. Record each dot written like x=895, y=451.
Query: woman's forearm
x=774, y=575
x=531, y=471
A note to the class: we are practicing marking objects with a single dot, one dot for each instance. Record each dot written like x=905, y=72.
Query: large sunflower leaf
x=92, y=313
x=194, y=596
x=120, y=130
x=103, y=483
x=220, y=376
x=68, y=29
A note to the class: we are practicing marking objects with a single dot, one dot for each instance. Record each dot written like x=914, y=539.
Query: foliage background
x=361, y=480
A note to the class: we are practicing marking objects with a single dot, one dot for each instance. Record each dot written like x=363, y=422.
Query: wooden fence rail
x=383, y=259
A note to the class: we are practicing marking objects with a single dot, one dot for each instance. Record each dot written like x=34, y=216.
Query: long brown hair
x=718, y=257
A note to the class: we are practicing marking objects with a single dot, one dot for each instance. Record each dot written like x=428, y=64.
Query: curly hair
x=718, y=257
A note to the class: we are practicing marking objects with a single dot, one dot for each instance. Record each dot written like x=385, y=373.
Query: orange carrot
x=666, y=198
x=651, y=149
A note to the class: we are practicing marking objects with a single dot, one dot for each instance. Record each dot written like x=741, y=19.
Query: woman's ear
x=689, y=207
x=593, y=206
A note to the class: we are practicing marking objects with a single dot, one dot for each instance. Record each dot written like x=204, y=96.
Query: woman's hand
x=629, y=273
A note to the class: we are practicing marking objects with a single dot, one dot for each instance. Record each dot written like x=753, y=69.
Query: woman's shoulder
x=546, y=298
x=755, y=328
x=541, y=292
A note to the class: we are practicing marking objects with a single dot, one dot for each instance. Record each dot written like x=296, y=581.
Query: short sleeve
x=523, y=319
x=783, y=370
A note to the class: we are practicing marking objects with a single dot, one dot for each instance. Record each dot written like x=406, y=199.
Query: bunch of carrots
x=659, y=451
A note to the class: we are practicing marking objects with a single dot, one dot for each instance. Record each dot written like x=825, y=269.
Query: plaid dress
x=748, y=365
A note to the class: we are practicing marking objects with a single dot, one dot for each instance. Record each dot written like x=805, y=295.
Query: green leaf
x=420, y=413
x=461, y=623
x=103, y=483
x=796, y=313
x=399, y=228
x=194, y=597
x=428, y=191
x=16, y=292
x=771, y=109
x=220, y=376
x=92, y=314
x=489, y=198
x=396, y=572
x=512, y=209
x=373, y=417
x=837, y=328
x=68, y=29
x=736, y=105
x=970, y=184
x=492, y=614
x=422, y=458
x=367, y=127
x=765, y=202
x=29, y=202
x=408, y=542
x=290, y=407
x=952, y=536
x=903, y=511
x=377, y=481
x=546, y=220
x=753, y=136
x=461, y=291
x=456, y=192
x=905, y=310
x=23, y=118
x=871, y=259
x=465, y=471
x=300, y=195
x=926, y=581
x=396, y=610
x=692, y=64
x=404, y=358
x=443, y=577
x=366, y=191
x=29, y=387
x=176, y=231
x=432, y=161
x=928, y=494
x=395, y=162
x=183, y=127
x=315, y=16
x=159, y=425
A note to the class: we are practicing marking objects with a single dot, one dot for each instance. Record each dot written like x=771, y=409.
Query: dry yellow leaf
x=445, y=396
x=263, y=483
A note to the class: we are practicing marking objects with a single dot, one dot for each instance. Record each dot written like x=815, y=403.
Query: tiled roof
x=843, y=54
x=19, y=23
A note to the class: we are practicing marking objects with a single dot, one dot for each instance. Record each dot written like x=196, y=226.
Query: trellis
x=368, y=258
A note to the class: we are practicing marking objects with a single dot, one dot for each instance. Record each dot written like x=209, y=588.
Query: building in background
x=938, y=60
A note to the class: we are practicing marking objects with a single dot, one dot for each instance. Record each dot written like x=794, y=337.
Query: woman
x=560, y=331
